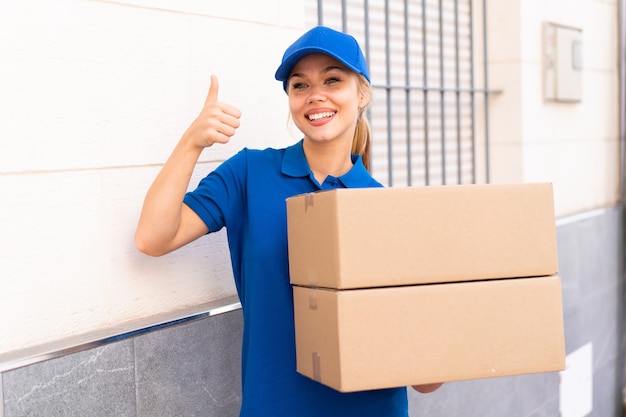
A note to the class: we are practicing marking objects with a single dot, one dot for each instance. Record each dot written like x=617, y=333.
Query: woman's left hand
x=427, y=388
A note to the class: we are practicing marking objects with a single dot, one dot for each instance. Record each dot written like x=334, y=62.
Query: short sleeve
x=220, y=195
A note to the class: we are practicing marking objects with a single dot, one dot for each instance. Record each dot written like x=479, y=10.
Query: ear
x=364, y=98
x=363, y=101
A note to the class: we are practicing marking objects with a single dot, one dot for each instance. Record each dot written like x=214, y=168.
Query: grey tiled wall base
x=96, y=382
x=188, y=370
x=191, y=370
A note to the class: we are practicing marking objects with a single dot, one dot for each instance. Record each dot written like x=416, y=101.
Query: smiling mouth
x=320, y=116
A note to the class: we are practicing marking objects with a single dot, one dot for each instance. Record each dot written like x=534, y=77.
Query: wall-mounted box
x=562, y=75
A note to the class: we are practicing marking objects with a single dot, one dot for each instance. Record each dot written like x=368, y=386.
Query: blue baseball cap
x=323, y=40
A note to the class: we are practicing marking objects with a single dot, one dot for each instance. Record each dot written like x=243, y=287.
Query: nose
x=316, y=94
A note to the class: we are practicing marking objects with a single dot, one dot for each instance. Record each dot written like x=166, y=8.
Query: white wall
x=573, y=145
x=93, y=97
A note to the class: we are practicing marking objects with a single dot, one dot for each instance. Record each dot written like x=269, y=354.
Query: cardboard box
x=360, y=238
x=363, y=339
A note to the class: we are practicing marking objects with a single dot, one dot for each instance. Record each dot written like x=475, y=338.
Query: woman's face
x=324, y=99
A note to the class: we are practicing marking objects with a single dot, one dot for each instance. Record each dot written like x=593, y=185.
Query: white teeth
x=318, y=116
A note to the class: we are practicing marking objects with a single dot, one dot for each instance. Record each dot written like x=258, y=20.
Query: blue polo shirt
x=246, y=194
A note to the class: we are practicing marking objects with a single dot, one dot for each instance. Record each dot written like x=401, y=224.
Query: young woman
x=326, y=78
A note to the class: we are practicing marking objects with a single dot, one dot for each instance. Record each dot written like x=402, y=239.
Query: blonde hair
x=361, y=142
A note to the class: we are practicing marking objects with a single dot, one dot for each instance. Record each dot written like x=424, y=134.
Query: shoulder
x=374, y=183
x=359, y=176
x=259, y=154
x=255, y=159
x=247, y=157
x=267, y=153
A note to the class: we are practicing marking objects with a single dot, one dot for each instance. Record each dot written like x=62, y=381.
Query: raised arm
x=166, y=223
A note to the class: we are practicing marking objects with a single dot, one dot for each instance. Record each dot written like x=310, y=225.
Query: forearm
x=160, y=219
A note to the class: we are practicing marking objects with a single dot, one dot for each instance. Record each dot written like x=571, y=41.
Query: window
x=428, y=118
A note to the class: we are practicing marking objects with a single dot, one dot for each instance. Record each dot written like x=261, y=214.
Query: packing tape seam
x=317, y=369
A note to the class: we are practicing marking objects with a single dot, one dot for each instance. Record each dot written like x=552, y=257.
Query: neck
x=326, y=159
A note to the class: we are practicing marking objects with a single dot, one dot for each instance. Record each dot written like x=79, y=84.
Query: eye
x=332, y=80
x=298, y=85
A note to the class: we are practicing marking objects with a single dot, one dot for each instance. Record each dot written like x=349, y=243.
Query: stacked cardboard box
x=417, y=285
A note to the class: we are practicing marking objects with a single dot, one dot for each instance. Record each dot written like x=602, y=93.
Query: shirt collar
x=294, y=161
x=296, y=165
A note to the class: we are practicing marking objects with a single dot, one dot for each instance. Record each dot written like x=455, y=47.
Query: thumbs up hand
x=216, y=122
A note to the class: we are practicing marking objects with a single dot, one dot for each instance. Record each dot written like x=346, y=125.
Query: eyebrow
x=323, y=71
